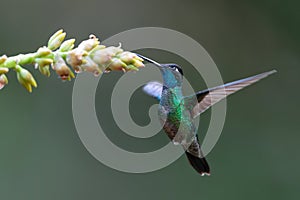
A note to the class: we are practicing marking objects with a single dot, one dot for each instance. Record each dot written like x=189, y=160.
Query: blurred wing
x=153, y=89
x=206, y=98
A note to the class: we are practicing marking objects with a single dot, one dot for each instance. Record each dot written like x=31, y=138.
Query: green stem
x=29, y=58
x=26, y=58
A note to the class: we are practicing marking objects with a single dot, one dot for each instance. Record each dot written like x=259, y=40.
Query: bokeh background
x=257, y=156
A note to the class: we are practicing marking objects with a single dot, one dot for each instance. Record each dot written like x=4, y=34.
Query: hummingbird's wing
x=205, y=99
x=153, y=89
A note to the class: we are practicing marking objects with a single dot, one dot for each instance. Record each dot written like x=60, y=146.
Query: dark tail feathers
x=199, y=164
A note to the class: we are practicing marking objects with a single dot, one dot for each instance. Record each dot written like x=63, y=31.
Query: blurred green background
x=257, y=156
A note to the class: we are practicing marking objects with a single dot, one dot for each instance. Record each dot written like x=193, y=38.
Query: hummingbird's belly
x=170, y=129
x=177, y=126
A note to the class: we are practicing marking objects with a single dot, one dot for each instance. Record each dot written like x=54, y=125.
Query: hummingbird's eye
x=173, y=67
x=176, y=68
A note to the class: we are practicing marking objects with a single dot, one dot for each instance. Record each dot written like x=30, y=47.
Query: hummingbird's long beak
x=149, y=60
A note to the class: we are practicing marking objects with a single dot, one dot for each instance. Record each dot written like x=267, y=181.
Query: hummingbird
x=177, y=113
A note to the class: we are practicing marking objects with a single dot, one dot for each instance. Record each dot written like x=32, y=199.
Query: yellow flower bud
x=127, y=57
x=25, y=78
x=43, y=61
x=57, y=33
x=138, y=63
x=136, y=57
x=67, y=45
x=131, y=68
x=3, y=81
x=44, y=70
x=42, y=52
x=56, y=42
x=132, y=59
x=3, y=70
x=117, y=64
x=3, y=59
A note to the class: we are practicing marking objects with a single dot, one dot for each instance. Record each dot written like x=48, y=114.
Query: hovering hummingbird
x=177, y=112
